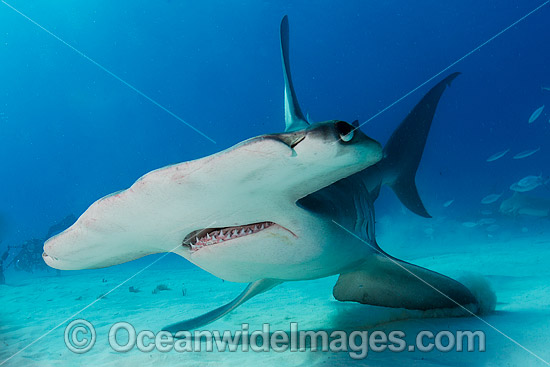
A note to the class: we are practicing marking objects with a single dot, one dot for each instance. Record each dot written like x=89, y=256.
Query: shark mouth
x=213, y=236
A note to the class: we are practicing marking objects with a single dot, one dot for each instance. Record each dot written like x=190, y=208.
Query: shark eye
x=345, y=130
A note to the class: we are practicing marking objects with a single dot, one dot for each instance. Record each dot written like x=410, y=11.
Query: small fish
x=527, y=183
x=545, y=88
x=529, y=180
x=486, y=212
x=535, y=115
x=448, y=203
x=489, y=199
x=486, y=221
x=526, y=153
x=497, y=155
x=469, y=224
x=492, y=228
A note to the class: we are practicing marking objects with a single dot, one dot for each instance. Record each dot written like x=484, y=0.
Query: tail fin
x=404, y=149
x=294, y=118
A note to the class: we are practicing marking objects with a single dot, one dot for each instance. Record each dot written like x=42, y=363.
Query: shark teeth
x=216, y=236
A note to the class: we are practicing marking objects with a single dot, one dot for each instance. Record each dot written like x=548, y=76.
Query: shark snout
x=54, y=261
x=49, y=260
x=54, y=254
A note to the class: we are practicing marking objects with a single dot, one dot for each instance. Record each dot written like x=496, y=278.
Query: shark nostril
x=297, y=141
x=290, y=139
x=46, y=256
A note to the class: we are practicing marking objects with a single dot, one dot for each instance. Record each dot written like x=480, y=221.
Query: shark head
x=237, y=202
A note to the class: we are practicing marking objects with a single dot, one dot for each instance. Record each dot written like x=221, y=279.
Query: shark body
x=272, y=209
x=523, y=204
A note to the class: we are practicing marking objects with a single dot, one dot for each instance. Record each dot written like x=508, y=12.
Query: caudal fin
x=404, y=149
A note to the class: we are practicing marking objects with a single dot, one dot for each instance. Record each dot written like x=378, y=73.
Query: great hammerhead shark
x=279, y=207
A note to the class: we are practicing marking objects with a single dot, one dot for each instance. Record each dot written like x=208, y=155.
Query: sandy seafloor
x=514, y=259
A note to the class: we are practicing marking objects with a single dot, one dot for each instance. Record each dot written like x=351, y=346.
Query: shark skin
x=255, y=182
x=367, y=274
x=272, y=209
x=523, y=204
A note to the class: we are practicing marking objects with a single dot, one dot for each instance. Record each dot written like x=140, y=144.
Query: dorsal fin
x=294, y=118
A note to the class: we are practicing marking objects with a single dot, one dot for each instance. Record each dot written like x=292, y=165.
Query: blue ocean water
x=71, y=132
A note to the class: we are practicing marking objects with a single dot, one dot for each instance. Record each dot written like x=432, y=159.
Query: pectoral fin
x=253, y=289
